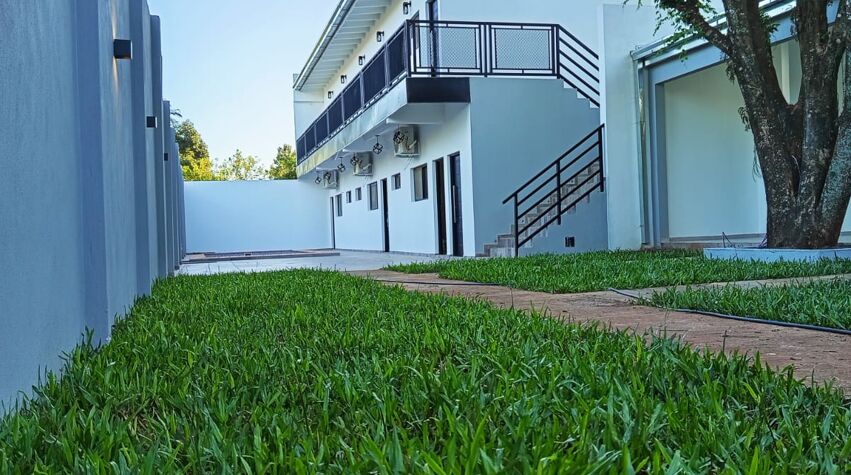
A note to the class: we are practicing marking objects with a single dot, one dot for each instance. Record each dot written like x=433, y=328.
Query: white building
x=488, y=97
x=421, y=118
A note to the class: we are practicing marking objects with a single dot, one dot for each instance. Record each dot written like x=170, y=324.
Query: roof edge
x=337, y=18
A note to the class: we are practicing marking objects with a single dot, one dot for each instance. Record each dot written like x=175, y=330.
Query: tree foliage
x=194, y=155
x=284, y=166
x=803, y=148
x=240, y=167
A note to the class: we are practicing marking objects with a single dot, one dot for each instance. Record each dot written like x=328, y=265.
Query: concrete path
x=345, y=261
x=821, y=356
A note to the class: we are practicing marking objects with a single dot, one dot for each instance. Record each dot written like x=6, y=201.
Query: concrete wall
x=236, y=216
x=519, y=126
x=622, y=29
x=413, y=224
x=75, y=178
x=714, y=184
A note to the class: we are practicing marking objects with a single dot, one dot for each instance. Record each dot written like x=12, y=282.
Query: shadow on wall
x=85, y=219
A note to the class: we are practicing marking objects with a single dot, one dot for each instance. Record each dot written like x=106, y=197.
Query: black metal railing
x=557, y=188
x=459, y=48
x=378, y=76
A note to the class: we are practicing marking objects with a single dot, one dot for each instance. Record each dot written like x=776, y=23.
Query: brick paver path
x=817, y=355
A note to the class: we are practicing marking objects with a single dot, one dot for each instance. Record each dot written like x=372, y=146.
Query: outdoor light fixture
x=377, y=148
x=361, y=60
x=151, y=122
x=379, y=36
x=165, y=155
x=343, y=79
x=330, y=94
x=341, y=168
x=318, y=180
x=122, y=49
x=406, y=8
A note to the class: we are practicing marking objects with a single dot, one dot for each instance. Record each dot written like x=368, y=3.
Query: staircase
x=554, y=192
x=563, y=184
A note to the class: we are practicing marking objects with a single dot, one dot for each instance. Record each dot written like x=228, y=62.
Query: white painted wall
x=519, y=126
x=713, y=185
x=413, y=224
x=256, y=216
x=623, y=29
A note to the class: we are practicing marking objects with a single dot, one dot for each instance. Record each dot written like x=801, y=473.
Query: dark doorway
x=386, y=212
x=457, y=219
x=440, y=189
x=333, y=223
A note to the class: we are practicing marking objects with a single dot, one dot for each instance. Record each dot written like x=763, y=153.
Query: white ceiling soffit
x=351, y=21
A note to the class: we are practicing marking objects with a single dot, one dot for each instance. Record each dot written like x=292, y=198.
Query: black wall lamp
x=361, y=60
x=330, y=94
x=151, y=122
x=343, y=79
x=379, y=36
x=122, y=49
x=406, y=8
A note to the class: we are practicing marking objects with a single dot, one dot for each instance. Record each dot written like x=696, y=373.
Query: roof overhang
x=349, y=24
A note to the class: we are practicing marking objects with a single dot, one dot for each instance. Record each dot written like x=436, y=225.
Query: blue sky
x=229, y=66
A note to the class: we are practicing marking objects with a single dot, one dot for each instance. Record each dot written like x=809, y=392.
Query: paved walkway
x=818, y=355
x=345, y=261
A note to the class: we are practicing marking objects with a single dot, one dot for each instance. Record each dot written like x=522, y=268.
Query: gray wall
x=82, y=215
x=518, y=127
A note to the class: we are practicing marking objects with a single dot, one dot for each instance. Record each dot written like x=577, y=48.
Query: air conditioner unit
x=329, y=179
x=362, y=164
x=406, y=142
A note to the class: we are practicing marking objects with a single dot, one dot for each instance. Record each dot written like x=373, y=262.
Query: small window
x=348, y=197
x=420, y=177
x=358, y=194
x=339, y=202
x=397, y=181
x=373, y=196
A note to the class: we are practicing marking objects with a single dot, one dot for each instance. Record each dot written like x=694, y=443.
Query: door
x=385, y=210
x=455, y=205
x=440, y=192
x=333, y=223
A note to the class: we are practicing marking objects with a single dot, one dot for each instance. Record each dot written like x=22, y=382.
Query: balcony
x=421, y=49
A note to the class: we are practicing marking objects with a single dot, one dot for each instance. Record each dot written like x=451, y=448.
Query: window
x=358, y=195
x=339, y=201
x=420, y=177
x=397, y=181
x=348, y=197
x=373, y=196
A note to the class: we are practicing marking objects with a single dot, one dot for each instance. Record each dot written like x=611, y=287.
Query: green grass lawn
x=824, y=303
x=308, y=371
x=588, y=272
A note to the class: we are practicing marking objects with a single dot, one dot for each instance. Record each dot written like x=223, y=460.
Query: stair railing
x=541, y=186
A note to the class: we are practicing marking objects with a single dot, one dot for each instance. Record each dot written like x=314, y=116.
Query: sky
x=228, y=66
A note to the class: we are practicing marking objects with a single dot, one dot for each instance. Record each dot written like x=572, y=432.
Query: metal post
x=516, y=229
x=558, y=190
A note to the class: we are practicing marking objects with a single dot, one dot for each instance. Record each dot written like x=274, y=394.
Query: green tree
x=194, y=155
x=240, y=167
x=283, y=168
x=803, y=148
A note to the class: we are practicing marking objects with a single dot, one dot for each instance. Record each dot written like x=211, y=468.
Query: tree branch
x=690, y=12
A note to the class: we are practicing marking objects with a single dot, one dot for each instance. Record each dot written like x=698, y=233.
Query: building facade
x=90, y=179
x=427, y=120
x=546, y=128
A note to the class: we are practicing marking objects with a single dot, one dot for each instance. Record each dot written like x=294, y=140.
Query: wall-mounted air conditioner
x=362, y=164
x=330, y=179
x=406, y=142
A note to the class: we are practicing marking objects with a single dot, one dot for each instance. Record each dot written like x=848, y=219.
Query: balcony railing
x=458, y=48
